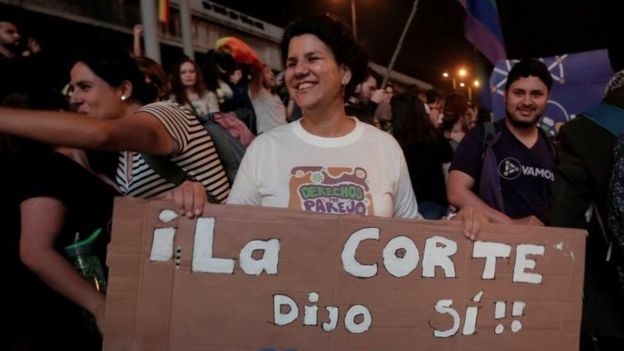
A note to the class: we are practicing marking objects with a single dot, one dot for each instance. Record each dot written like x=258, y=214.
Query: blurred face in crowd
x=313, y=77
x=93, y=96
x=470, y=117
x=525, y=101
x=388, y=93
x=367, y=88
x=188, y=74
x=268, y=78
x=236, y=76
x=9, y=36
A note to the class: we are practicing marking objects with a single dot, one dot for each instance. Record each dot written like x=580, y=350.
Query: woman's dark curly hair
x=338, y=37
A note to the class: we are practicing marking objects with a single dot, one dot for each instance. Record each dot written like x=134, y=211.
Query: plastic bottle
x=86, y=262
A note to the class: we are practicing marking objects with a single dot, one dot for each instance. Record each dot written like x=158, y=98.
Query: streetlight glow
x=462, y=72
x=445, y=75
x=461, y=84
x=476, y=83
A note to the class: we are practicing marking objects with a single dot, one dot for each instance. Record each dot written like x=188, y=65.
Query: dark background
x=435, y=42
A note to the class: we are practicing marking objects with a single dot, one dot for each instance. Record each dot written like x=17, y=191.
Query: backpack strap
x=608, y=117
x=490, y=190
x=172, y=172
x=490, y=132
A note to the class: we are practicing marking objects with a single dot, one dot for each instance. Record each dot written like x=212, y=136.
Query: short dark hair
x=338, y=37
x=529, y=67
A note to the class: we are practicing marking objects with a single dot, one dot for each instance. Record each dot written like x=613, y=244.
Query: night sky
x=435, y=41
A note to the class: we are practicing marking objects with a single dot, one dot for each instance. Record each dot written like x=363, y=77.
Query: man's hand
x=473, y=219
x=189, y=198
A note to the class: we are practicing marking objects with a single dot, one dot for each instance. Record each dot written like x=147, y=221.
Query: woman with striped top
x=113, y=101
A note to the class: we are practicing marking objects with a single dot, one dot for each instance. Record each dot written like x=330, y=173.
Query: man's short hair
x=529, y=67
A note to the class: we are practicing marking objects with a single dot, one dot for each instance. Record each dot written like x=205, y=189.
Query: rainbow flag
x=482, y=28
x=163, y=11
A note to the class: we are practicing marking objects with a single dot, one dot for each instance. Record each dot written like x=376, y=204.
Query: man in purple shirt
x=523, y=156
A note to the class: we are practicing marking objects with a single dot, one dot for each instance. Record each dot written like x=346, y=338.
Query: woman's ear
x=345, y=74
x=125, y=90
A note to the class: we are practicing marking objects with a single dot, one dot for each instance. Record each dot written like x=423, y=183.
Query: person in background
x=25, y=68
x=188, y=89
x=426, y=153
x=433, y=106
x=155, y=76
x=584, y=166
x=510, y=178
x=453, y=123
x=269, y=109
x=364, y=100
x=327, y=149
x=383, y=113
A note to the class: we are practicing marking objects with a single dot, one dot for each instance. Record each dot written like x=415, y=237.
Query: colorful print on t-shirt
x=336, y=190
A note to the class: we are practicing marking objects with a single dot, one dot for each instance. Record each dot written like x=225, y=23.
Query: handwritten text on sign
x=249, y=278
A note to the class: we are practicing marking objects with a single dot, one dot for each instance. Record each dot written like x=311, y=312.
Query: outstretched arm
x=137, y=51
x=141, y=132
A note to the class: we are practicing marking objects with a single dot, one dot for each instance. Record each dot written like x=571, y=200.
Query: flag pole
x=399, y=44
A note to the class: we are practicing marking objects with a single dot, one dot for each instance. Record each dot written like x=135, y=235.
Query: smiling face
x=188, y=74
x=525, y=101
x=93, y=96
x=313, y=77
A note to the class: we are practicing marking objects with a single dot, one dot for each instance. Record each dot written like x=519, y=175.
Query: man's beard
x=524, y=124
x=15, y=48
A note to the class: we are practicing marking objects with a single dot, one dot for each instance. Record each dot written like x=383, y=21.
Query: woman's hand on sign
x=473, y=219
x=189, y=198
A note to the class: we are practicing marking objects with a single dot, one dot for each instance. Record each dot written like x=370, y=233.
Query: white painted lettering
x=404, y=265
x=439, y=256
x=352, y=325
x=523, y=263
x=279, y=317
x=350, y=264
x=444, y=307
x=490, y=251
x=202, y=250
x=267, y=263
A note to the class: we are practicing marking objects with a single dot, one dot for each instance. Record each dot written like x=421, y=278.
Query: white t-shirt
x=363, y=172
x=270, y=111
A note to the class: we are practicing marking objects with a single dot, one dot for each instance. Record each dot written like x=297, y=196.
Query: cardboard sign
x=250, y=278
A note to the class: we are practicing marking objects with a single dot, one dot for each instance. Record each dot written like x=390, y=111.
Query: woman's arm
x=42, y=221
x=140, y=132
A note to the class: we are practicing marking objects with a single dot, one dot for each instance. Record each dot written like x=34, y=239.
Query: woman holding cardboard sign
x=328, y=162
x=115, y=108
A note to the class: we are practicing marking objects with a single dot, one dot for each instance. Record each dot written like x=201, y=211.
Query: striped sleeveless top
x=195, y=154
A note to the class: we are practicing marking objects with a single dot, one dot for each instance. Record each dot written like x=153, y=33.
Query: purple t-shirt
x=526, y=174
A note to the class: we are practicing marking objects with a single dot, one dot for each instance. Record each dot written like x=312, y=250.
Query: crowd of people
x=415, y=154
